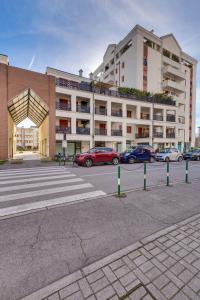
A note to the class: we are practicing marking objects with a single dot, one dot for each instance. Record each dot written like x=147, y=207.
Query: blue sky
x=74, y=34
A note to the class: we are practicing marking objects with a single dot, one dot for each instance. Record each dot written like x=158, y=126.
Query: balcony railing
x=170, y=135
x=100, y=111
x=80, y=130
x=62, y=129
x=63, y=106
x=86, y=86
x=158, y=134
x=116, y=132
x=171, y=118
x=100, y=131
x=115, y=113
x=158, y=117
x=83, y=109
x=142, y=135
x=145, y=116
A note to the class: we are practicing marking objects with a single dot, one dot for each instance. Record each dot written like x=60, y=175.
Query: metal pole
x=145, y=176
x=167, y=173
x=186, y=172
x=118, y=183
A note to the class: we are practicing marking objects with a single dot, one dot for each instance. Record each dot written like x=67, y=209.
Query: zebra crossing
x=27, y=190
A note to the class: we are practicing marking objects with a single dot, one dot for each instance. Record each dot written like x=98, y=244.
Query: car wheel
x=88, y=163
x=167, y=159
x=131, y=160
x=115, y=161
x=180, y=158
x=152, y=160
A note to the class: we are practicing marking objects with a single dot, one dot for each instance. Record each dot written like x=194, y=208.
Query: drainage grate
x=139, y=292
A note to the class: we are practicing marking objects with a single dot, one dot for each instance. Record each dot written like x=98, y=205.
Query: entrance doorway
x=28, y=105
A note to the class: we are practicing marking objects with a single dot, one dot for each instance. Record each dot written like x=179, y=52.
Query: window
x=128, y=129
x=129, y=114
x=145, y=78
x=175, y=58
x=123, y=65
x=116, y=70
x=106, y=67
x=145, y=62
x=123, y=78
x=126, y=47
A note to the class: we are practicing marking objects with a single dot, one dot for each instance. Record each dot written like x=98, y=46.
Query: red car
x=97, y=155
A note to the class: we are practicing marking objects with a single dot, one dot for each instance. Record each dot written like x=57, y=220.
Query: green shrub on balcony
x=133, y=91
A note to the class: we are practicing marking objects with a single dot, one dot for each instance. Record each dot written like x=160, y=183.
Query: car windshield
x=165, y=151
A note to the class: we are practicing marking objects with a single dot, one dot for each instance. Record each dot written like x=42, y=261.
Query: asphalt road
x=41, y=247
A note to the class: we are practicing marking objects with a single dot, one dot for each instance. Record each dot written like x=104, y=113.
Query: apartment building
x=97, y=114
x=94, y=111
x=156, y=64
x=26, y=138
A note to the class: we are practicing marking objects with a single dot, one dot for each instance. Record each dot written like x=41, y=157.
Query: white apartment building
x=88, y=116
x=26, y=138
x=156, y=64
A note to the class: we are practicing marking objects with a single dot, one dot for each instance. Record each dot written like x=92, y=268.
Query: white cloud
x=31, y=62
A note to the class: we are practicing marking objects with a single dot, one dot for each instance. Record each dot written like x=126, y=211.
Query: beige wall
x=44, y=137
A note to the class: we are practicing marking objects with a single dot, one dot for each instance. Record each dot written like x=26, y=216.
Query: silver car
x=169, y=154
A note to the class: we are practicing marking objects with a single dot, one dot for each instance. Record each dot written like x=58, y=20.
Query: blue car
x=137, y=155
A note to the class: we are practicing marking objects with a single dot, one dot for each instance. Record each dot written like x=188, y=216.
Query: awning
x=28, y=105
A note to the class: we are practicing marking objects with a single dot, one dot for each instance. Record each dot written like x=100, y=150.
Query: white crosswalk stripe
x=30, y=189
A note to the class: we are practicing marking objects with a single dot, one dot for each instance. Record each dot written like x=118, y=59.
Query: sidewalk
x=164, y=265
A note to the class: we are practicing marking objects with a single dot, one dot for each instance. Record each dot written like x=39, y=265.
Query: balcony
x=144, y=116
x=80, y=130
x=62, y=129
x=158, y=117
x=171, y=118
x=116, y=132
x=63, y=106
x=168, y=70
x=173, y=85
x=171, y=62
x=100, y=111
x=116, y=113
x=170, y=135
x=83, y=109
x=158, y=134
x=142, y=135
x=100, y=131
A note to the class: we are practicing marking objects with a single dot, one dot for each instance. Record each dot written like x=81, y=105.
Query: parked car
x=97, y=155
x=169, y=154
x=192, y=155
x=138, y=154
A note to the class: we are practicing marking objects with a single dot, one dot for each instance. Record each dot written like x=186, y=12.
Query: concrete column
x=73, y=125
x=109, y=108
x=124, y=129
x=138, y=111
x=124, y=113
x=109, y=128
x=164, y=132
x=124, y=144
x=73, y=103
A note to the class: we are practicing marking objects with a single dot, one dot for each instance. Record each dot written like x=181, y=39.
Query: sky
x=73, y=34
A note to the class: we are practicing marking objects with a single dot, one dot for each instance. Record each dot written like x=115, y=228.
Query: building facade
x=147, y=62
x=26, y=138
x=92, y=111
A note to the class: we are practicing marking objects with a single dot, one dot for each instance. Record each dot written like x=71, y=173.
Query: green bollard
x=118, y=182
x=145, y=176
x=186, y=172
x=167, y=173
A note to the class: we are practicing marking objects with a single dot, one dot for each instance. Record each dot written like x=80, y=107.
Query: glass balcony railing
x=116, y=113
x=100, y=131
x=142, y=135
x=158, y=117
x=100, y=111
x=83, y=109
x=158, y=134
x=116, y=132
x=170, y=135
x=63, y=106
x=144, y=116
x=171, y=118
x=62, y=129
x=80, y=130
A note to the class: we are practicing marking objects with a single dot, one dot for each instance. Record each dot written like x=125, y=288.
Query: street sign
x=64, y=144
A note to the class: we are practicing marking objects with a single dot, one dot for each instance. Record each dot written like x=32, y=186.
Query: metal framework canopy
x=28, y=105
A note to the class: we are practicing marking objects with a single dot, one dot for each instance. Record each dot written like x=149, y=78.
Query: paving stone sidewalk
x=165, y=265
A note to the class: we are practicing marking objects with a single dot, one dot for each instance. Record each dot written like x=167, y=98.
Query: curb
x=63, y=282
